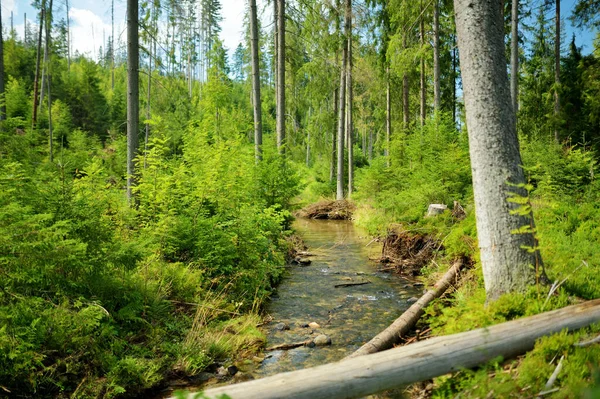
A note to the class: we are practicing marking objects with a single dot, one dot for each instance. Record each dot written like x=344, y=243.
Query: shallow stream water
x=350, y=316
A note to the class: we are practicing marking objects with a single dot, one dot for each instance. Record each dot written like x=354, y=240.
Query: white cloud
x=88, y=31
x=232, y=31
x=8, y=6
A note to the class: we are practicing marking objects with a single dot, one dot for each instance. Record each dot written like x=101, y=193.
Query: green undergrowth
x=431, y=165
x=100, y=299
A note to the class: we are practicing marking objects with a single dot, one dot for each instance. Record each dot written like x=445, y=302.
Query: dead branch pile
x=334, y=210
x=408, y=252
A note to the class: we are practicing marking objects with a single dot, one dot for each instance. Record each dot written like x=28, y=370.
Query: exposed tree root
x=407, y=252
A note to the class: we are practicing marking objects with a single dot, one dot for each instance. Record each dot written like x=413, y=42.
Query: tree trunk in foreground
x=514, y=57
x=358, y=377
x=256, y=82
x=494, y=149
x=133, y=94
x=391, y=335
x=281, y=76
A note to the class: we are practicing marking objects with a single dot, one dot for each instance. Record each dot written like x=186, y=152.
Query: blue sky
x=90, y=21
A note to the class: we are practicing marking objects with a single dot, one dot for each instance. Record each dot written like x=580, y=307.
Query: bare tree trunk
x=281, y=77
x=50, y=132
x=256, y=82
x=48, y=77
x=46, y=63
x=332, y=169
x=332, y=165
x=514, y=57
x=454, y=73
x=370, y=143
x=342, y=112
x=405, y=93
x=133, y=94
x=423, y=89
x=25, y=36
x=149, y=86
x=349, y=121
x=2, y=94
x=557, y=72
x=494, y=148
x=276, y=44
x=437, y=91
x=37, y=68
x=68, y=38
x=112, y=39
x=388, y=116
x=308, y=139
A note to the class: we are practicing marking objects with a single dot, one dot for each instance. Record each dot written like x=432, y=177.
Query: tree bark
x=149, y=85
x=2, y=94
x=332, y=166
x=68, y=38
x=133, y=94
x=37, y=68
x=423, y=360
x=275, y=45
x=112, y=47
x=256, y=82
x=437, y=91
x=391, y=335
x=340, y=138
x=388, y=117
x=557, y=73
x=423, y=88
x=50, y=131
x=349, y=122
x=47, y=61
x=281, y=76
x=494, y=149
x=405, y=93
x=514, y=57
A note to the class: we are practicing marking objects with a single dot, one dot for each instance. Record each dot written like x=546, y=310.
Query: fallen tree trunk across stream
x=391, y=335
x=364, y=375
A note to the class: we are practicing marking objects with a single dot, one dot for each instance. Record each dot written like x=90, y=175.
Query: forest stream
x=350, y=315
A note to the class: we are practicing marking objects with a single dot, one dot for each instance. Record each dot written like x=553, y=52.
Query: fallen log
x=358, y=377
x=350, y=284
x=391, y=335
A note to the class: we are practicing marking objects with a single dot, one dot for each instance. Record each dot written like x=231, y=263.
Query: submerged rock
x=281, y=327
x=322, y=340
x=314, y=325
x=412, y=299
